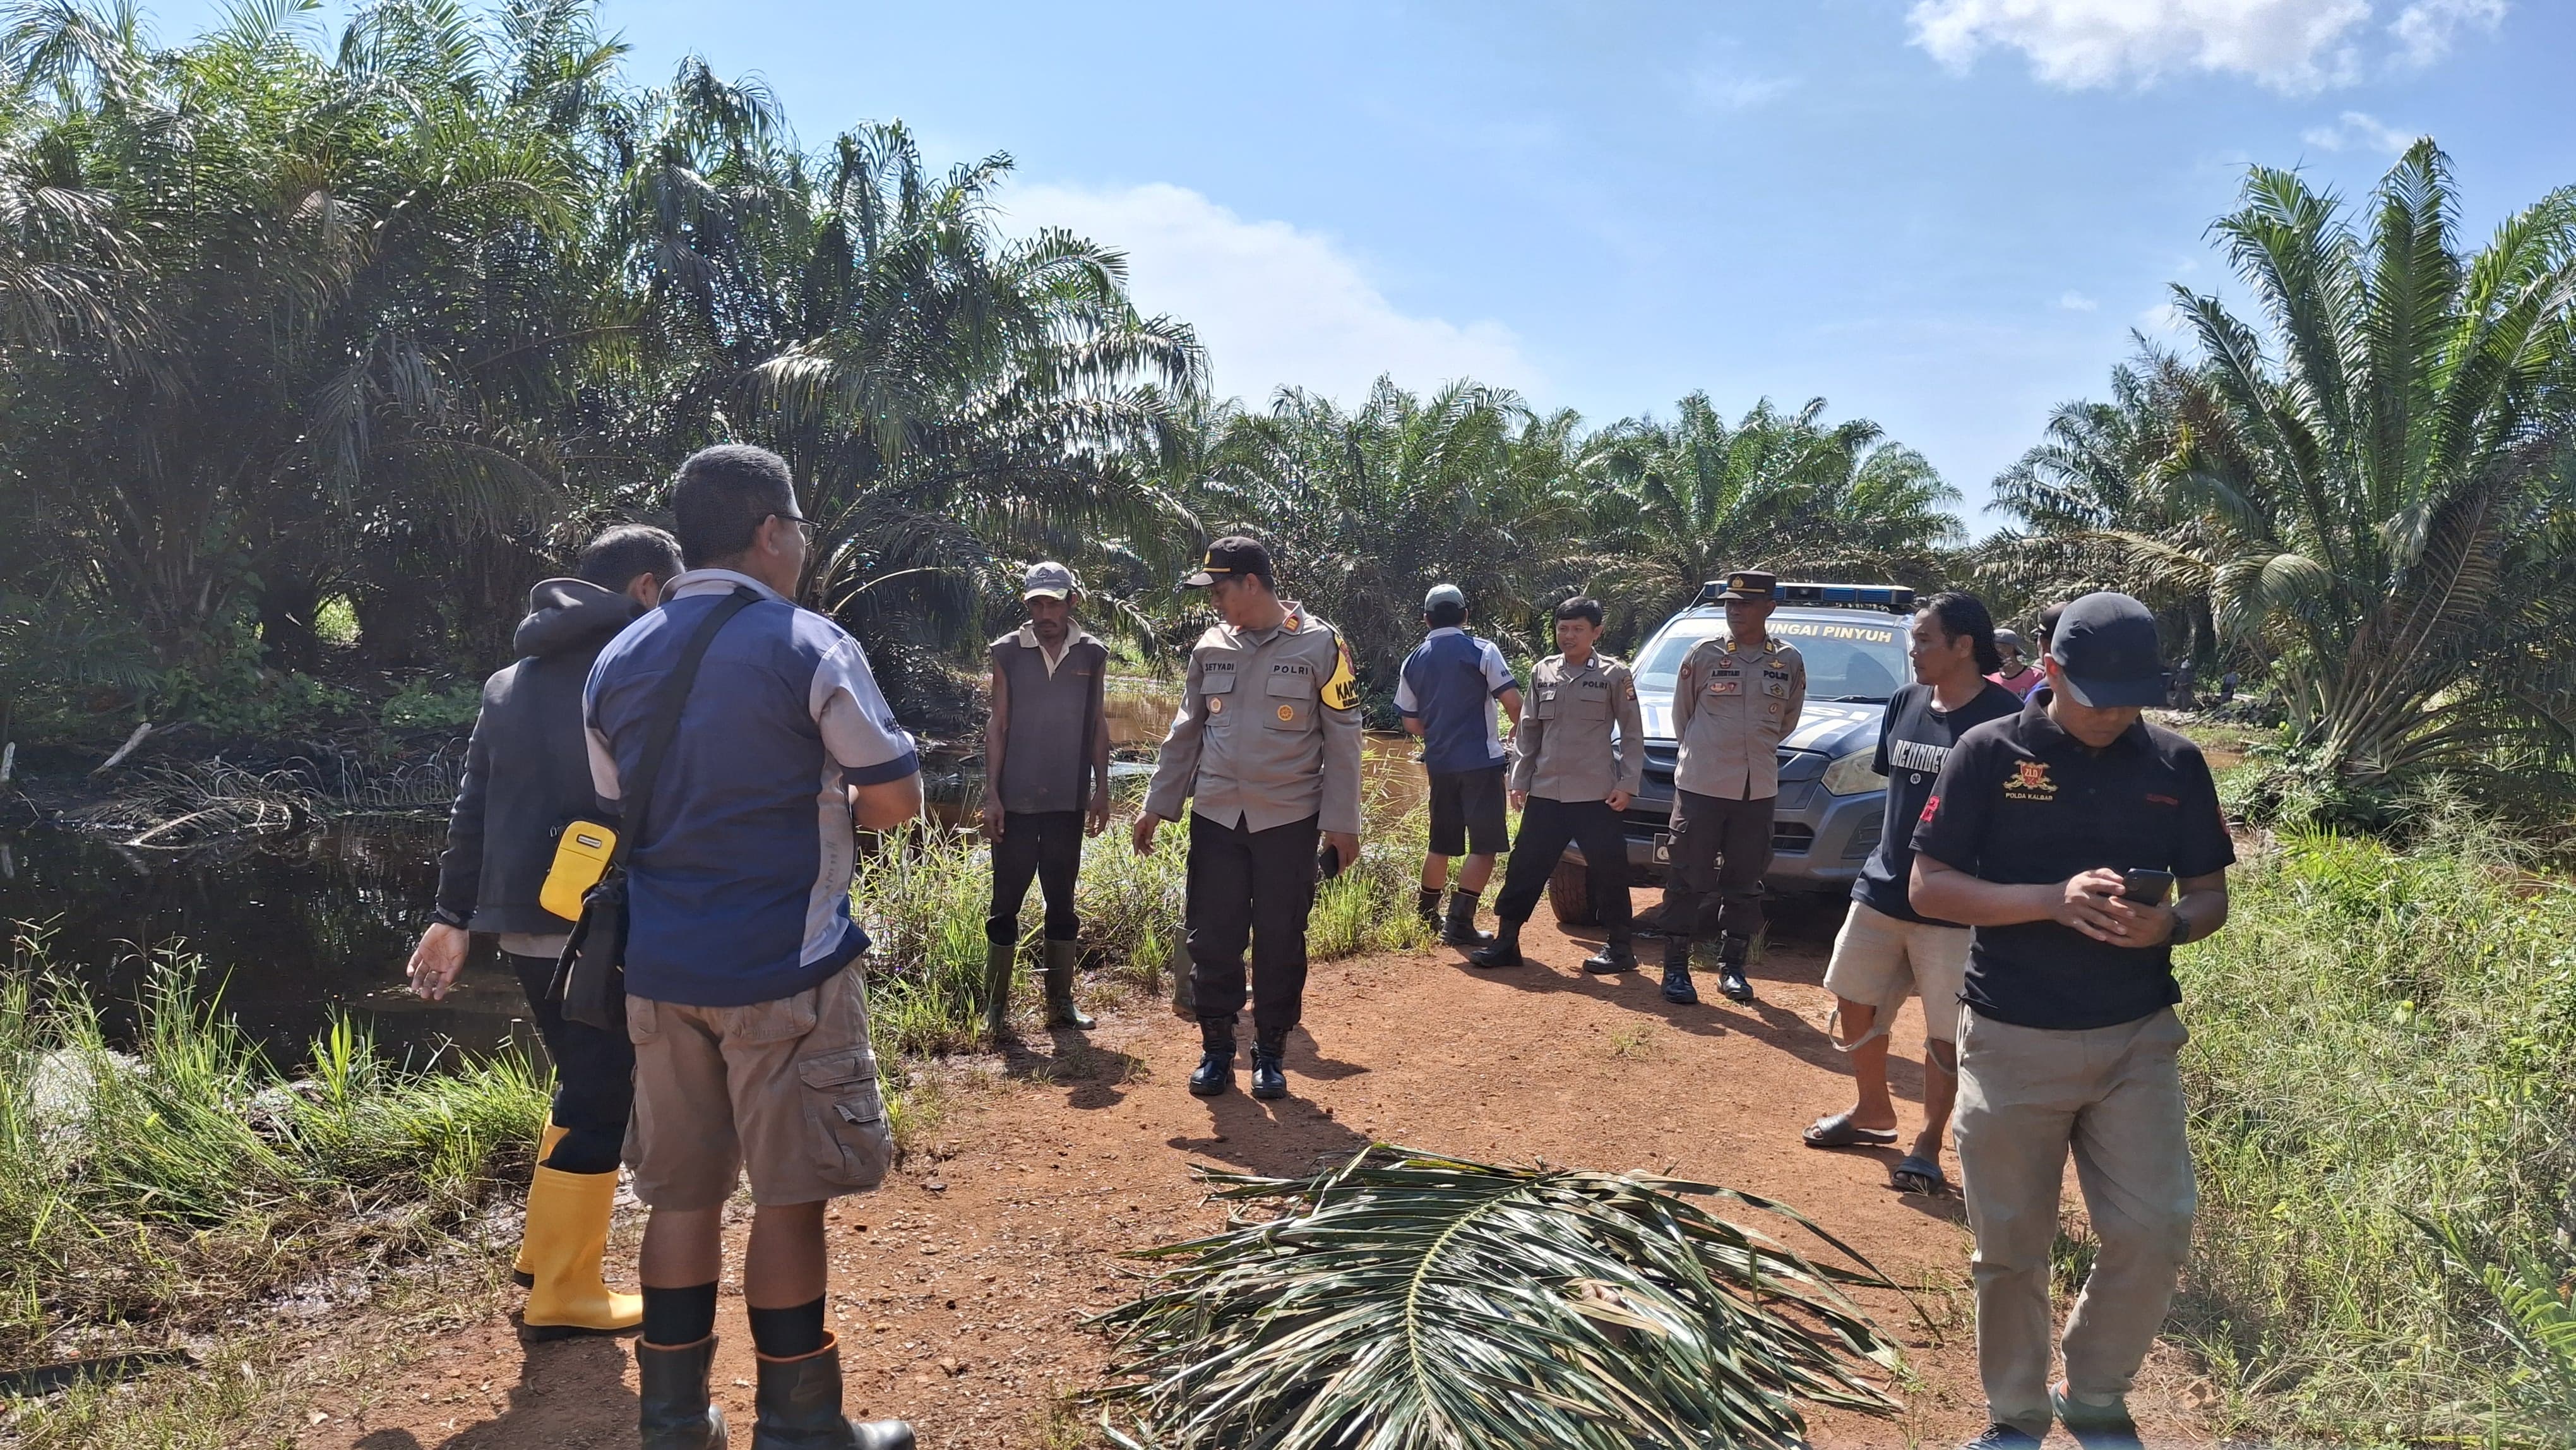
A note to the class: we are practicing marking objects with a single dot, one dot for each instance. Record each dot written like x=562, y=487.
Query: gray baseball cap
x=1444, y=594
x=1050, y=580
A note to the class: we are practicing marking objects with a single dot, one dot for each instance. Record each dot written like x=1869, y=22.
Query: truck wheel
x=1569, y=894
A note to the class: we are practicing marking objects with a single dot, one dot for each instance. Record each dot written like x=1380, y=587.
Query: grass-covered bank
x=158, y=1192
x=925, y=902
x=2385, y=1042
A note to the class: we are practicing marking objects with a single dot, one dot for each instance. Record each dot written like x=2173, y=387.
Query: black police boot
x=1614, y=957
x=1503, y=951
x=1268, y=1081
x=672, y=1386
x=1460, y=929
x=1063, y=963
x=1731, y=951
x=1216, y=1060
x=1426, y=904
x=1677, y=982
x=800, y=1408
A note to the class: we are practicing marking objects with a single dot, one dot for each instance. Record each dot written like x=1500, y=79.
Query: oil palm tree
x=1368, y=507
x=1683, y=502
x=2395, y=493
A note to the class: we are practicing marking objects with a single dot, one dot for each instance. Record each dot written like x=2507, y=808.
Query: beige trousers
x=2113, y=1095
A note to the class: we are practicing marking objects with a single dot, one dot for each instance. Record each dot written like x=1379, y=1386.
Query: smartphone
x=2146, y=888
x=1328, y=862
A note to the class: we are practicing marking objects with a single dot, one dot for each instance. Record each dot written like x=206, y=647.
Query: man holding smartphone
x=2070, y=1037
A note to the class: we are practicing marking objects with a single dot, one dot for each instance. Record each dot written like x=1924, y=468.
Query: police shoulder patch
x=1342, y=689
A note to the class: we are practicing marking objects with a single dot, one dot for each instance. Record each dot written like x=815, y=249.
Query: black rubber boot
x=1731, y=952
x=800, y=1408
x=1460, y=929
x=1503, y=951
x=1426, y=904
x=1614, y=957
x=999, y=957
x=1677, y=982
x=1268, y=1080
x=1216, y=1060
x=1063, y=961
x=672, y=1387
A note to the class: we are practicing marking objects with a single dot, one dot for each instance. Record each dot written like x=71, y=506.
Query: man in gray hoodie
x=527, y=773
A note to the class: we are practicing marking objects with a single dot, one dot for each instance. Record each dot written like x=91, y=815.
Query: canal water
x=291, y=930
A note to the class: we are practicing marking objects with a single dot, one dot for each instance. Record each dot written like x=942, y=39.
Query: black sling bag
x=590, y=978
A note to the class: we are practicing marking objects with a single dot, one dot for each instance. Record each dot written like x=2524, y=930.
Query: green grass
x=2384, y=1040
x=924, y=903
x=163, y=1190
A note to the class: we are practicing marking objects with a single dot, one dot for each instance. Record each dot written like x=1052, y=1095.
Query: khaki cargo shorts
x=785, y=1091
x=1880, y=960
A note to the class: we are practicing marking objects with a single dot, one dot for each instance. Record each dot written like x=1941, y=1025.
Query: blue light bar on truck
x=1893, y=598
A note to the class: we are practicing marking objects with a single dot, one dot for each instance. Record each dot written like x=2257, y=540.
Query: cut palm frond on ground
x=1406, y=1299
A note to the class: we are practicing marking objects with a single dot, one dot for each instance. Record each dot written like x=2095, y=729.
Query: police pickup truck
x=1831, y=801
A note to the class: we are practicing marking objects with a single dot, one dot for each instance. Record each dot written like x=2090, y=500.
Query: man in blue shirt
x=1451, y=683
x=745, y=1000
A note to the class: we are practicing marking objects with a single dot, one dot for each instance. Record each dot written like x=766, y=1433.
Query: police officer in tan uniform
x=1738, y=696
x=1266, y=749
x=1573, y=782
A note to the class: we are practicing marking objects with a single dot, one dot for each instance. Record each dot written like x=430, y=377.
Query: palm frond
x=1408, y=1299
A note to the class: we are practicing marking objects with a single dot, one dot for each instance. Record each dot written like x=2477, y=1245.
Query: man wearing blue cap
x=2070, y=1037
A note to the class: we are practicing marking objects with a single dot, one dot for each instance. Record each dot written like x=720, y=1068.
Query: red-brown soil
x=960, y=1287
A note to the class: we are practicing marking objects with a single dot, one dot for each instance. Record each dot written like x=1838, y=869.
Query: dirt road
x=959, y=1288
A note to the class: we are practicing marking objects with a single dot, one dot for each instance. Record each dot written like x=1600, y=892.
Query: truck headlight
x=1854, y=774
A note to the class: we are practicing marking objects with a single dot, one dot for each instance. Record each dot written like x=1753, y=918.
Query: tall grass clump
x=2384, y=1061
x=924, y=896
x=150, y=1187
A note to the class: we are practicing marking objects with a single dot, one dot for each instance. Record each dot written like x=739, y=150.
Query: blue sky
x=1946, y=215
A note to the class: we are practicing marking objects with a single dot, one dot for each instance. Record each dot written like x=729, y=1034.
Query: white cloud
x=2166, y=318
x=2424, y=29
x=2360, y=128
x=2074, y=301
x=1274, y=303
x=1724, y=88
x=2289, y=45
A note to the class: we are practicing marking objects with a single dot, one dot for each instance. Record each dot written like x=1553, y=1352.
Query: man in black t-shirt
x=1886, y=949
x=2070, y=1035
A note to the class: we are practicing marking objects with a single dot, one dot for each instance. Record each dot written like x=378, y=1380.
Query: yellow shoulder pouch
x=581, y=858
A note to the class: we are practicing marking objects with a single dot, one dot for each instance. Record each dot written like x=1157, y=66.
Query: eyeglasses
x=804, y=525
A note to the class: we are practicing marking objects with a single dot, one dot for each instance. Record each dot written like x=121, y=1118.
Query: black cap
x=2048, y=622
x=1750, y=584
x=2106, y=650
x=1231, y=557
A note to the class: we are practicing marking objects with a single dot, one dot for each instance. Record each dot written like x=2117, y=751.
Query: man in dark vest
x=527, y=772
x=1046, y=786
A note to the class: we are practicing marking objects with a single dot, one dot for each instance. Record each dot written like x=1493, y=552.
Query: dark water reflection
x=289, y=931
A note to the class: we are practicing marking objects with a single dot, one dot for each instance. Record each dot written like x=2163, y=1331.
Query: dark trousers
x=1546, y=826
x=1720, y=850
x=1255, y=884
x=594, y=1077
x=1044, y=844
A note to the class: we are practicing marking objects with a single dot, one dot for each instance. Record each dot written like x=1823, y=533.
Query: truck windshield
x=1847, y=658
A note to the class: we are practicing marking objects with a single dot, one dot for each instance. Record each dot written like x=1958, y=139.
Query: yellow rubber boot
x=567, y=1233
x=523, y=1271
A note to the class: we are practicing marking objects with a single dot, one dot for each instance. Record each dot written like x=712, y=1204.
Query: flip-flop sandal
x=1838, y=1132
x=1914, y=1174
